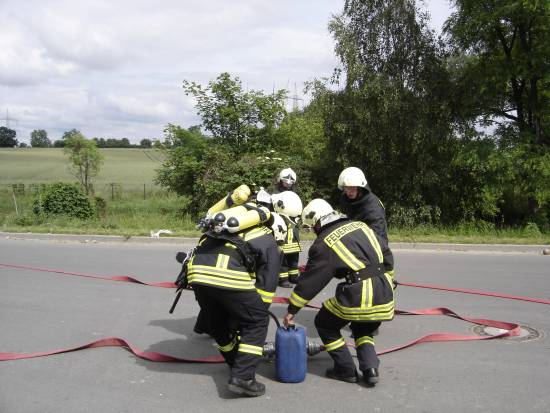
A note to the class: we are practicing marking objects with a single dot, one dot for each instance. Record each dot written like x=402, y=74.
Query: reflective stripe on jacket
x=342, y=248
x=219, y=263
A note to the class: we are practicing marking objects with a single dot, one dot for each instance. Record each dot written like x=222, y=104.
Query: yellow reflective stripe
x=228, y=347
x=220, y=283
x=283, y=275
x=335, y=344
x=222, y=261
x=345, y=255
x=374, y=242
x=223, y=272
x=389, y=278
x=220, y=277
x=364, y=294
x=256, y=232
x=202, y=240
x=247, y=348
x=293, y=272
x=289, y=236
x=364, y=340
x=289, y=248
x=267, y=297
x=370, y=290
x=297, y=301
x=228, y=244
x=351, y=310
x=377, y=313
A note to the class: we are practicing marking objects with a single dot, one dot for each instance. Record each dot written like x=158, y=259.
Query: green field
x=129, y=167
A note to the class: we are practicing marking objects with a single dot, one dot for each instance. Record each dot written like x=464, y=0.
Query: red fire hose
x=509, y=329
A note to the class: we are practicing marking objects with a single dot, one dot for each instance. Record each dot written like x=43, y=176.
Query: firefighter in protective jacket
x=351, y=251
x=234, y=277
x=289, y=206
x=358, y=202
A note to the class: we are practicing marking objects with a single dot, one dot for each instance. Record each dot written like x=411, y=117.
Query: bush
x=100, y=206
x=407, y=217
x=63, y=199
x=531, y=229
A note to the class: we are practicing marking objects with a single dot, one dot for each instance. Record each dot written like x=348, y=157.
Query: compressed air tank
x=238, y=197
x=291, y=354
x=242, y=217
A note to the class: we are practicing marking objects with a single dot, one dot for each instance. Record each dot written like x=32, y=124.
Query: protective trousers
x=223, y=310
x=289, y=267
x=328, y=326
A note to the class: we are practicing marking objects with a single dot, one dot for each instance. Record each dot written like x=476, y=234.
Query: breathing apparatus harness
x=243, y=248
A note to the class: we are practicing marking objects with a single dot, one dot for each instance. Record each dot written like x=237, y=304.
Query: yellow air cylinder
x=238, y=197
x=224, y=215
x=239, y=218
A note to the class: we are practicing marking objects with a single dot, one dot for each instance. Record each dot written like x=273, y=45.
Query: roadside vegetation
x=129, y=214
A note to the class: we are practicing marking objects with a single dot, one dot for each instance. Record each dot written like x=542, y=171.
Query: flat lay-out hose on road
x=508, y=329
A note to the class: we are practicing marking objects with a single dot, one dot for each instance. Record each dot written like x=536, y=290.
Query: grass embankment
x=135, y=206
x=131, y=215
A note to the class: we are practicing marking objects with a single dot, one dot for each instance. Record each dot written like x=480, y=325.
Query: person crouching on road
x=351, y=251
x=234, y=277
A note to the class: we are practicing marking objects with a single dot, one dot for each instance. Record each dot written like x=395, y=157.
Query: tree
x=506, y=49
x=244, y=120
x=66, y=135
x=392, y=115
x=85, y=159
x=146, y=143
x=7, y=137
x=39, y=139
x=70, y=133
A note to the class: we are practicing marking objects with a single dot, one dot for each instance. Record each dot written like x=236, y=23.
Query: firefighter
x=234, y=277
x=289, y=205
x=359, y=203
x=238, y=197
x=286, y=181
x=351, y=251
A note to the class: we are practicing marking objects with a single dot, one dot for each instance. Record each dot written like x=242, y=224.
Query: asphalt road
x=43, y=311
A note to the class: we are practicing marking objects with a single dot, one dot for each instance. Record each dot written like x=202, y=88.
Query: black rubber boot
x=332, y=374
x=370, y=376
x=250, y=388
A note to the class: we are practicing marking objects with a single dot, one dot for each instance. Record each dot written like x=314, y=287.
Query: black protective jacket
x=218, y=263
x=368, y=209
x=351, y=250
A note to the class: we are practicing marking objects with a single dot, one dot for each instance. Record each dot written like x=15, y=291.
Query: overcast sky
x=114, y=68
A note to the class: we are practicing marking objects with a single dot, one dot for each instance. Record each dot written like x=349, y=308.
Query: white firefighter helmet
x=287, y=176
x=279, y=228
x=287, y=203
x=352, y=176
x=315, y=210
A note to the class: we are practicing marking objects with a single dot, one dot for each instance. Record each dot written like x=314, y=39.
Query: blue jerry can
x=291, y=354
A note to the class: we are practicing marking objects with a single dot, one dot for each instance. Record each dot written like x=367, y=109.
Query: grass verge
x=129, y=214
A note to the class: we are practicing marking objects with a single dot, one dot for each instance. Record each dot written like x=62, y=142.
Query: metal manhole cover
x=525, y=333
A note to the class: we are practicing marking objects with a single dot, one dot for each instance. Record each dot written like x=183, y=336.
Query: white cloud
x=115, y=68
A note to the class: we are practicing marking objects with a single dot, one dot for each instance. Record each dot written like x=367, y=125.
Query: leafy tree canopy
x=7, y=137
x=39, y=139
